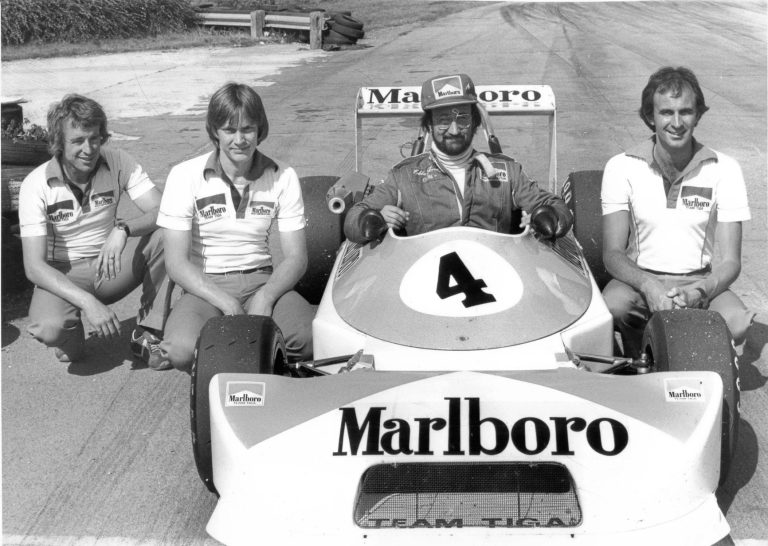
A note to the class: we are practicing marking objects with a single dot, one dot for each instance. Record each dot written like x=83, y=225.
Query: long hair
x=231, y=103
x=672, y=80
x=81, y=112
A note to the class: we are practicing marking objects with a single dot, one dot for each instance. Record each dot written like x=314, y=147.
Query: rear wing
x=498, y=100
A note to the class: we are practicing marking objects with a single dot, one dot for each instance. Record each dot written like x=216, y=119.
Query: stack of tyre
x=342, y=29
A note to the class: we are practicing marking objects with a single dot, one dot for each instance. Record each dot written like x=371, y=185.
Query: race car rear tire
x=228, y=344
x=325, y=233
x=699, y=340
x=581, y=192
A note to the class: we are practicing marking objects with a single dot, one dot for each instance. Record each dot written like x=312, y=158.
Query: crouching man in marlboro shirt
x=78, y=253
x=216, y=213
x=667, y=203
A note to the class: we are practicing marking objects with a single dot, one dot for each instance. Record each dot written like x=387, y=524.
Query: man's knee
x=55, y=331
x=180, y=350
x=621, y=300
x=738, y=322
x=737, y=316
x=298, y=344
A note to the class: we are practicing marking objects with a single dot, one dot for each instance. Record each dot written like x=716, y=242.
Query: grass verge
x=375, y=14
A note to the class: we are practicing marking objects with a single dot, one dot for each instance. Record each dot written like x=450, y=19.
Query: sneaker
x=68, y=355
x=61, y=356
x=146, y=346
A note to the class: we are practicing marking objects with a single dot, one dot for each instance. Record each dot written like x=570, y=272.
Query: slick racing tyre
x=228, y=344
x=699, y=340
x=334, y=38
x=345, y=20
x=349, y=32
x=325, y=233
x=581, y=192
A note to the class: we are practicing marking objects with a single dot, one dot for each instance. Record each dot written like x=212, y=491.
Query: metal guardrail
x=258, y=20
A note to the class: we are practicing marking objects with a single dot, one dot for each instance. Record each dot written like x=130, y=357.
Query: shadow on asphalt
x=103, y=355
x=743, y=466
x=749, y=376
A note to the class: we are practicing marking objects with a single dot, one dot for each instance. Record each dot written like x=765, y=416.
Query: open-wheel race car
x=464, y=388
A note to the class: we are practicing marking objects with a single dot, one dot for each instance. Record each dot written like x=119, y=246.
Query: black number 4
x=452, y=266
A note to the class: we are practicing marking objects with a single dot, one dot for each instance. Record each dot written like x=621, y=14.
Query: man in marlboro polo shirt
x=216, y=212
x=452, y=184
x=667, y=203
x=78, y=253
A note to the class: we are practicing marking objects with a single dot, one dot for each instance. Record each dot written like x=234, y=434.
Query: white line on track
x=26, y=540
x=21, y=540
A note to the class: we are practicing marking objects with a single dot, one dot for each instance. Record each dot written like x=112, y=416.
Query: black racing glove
x=372, y=224
x=544, y=222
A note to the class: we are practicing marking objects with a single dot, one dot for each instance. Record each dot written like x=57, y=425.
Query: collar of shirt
x=55, y=173
x=701, y=154
x=644, y=151
x=260, y=164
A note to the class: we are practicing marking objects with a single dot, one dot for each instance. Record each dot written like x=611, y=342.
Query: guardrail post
x=257, y=23
x=315, y=30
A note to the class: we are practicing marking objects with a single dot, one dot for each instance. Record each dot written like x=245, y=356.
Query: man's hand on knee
x=102, y=318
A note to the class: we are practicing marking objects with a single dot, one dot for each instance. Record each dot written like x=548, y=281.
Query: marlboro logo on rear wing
x=526, y=100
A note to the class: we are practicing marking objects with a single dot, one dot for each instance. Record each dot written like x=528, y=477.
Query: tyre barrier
x=342, y=29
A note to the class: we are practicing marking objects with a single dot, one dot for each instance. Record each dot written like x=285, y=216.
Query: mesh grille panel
x=568, y=249
x=495, y=495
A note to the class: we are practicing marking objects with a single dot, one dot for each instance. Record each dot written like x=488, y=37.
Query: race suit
x=493, y=190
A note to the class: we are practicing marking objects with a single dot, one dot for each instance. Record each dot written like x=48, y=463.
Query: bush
x=24, y=21
x=24, y=131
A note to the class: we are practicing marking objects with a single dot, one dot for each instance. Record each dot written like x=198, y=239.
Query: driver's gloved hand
x=544, y=222
x=372, y=224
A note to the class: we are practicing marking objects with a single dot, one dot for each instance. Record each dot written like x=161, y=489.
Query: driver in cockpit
x=452, y=184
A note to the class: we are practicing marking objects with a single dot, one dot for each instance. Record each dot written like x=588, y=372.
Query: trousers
x=292, y=314
x=55, y=322
x=631, y=313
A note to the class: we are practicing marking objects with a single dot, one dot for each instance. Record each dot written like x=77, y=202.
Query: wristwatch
x=122, y=225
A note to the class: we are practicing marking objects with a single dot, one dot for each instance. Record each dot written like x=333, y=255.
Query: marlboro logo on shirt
x=212, y=207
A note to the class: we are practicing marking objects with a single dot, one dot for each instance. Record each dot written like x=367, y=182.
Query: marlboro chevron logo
x=261, y=208
x=447, y=87
x=696, y=198
x=396, y=98
x=61, y=212
x=681, y=390
x=103, y=199
x=244, y=393
x=376, y=431
x=212, y=207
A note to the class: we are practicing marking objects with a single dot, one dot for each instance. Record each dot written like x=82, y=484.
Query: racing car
x=464, y=388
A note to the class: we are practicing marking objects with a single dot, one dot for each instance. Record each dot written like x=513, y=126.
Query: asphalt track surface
x=99, y=452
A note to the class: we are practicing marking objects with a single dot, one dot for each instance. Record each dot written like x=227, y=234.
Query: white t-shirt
x=674, y=233
x=47, y=205
x=198, y=198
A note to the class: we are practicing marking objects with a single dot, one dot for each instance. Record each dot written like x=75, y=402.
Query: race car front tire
x=581, y=192
x=671, y=339
x=228, y=344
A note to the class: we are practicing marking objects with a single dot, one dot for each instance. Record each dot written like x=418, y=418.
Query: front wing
x=547, y=457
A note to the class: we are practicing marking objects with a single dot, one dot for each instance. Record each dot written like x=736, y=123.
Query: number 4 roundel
x=461, y=279
x=451, y=266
